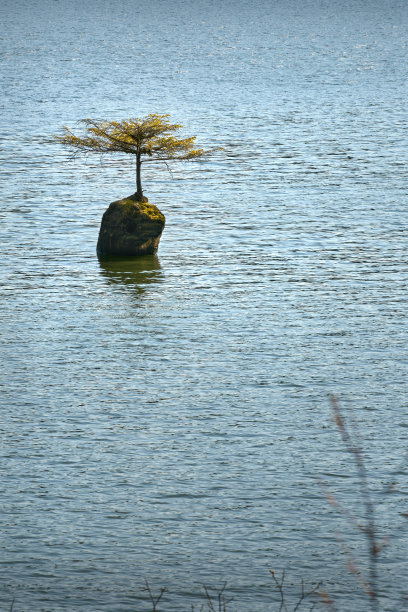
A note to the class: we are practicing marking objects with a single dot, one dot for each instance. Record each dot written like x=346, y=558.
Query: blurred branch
x=303, y=594
x=154, y=600
x=369, y=528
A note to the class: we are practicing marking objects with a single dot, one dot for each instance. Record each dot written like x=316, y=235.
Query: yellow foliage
x=149, y=139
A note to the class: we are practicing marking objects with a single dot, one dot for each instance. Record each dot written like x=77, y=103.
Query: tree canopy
x=149, y=139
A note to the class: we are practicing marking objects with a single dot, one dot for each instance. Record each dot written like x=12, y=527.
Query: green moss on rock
x=145, y=207
x=130, y=227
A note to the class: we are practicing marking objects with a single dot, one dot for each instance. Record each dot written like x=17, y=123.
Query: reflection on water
x=133, y=272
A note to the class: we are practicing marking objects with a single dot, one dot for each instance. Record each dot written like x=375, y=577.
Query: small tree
x=148, y=139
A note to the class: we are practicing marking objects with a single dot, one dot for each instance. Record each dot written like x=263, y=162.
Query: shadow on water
x=133, y=273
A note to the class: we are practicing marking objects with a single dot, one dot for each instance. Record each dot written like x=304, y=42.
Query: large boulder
x=130, y=227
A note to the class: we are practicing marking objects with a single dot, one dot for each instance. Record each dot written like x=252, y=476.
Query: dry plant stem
x=154, y=600
x=370, y=526
x=279, y=586
x=303, y=594
x=12, y=604
x=221, y=601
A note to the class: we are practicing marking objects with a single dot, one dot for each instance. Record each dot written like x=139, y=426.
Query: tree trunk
x=139, y=191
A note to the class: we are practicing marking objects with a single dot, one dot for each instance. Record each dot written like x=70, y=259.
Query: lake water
x=168, y=418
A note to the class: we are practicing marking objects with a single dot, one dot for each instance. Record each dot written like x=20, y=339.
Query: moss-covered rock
x=130, y=227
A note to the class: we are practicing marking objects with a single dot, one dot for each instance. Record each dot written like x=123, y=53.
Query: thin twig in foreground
x=154, y=600
x=370, y=528
x=279, y=586
x=221, y=599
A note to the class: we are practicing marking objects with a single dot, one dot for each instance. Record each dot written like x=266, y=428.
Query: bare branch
x=279, y=586
x=153, y=599
x=370, y=529
x=305, y=595
x=217, y=602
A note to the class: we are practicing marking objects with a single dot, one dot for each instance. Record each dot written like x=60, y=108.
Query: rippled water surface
x=166, y=418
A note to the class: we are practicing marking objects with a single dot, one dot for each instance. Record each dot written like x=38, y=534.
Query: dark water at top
x=165, y=418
